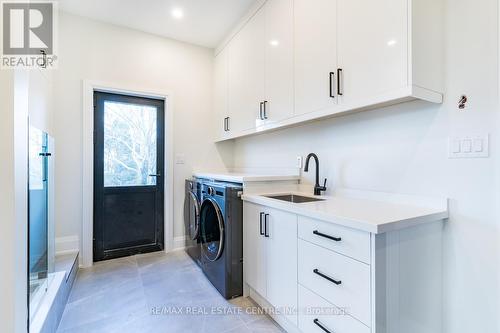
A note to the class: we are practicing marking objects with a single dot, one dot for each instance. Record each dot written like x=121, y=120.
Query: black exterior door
x=128, y=175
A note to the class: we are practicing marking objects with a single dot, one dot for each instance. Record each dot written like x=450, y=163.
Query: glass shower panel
x=38, y=226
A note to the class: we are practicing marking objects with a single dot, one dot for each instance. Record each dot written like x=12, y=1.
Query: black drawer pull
x=337, y=239
x=266, y=227
x=340, y=91
x=320, y=325
x=261, y=229
x=332, y=75
x=337, y=282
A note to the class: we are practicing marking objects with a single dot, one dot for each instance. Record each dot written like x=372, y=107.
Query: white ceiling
x=205, y=22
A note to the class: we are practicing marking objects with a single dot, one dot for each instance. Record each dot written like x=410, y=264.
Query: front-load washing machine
x=192, y=206
x=221, y=237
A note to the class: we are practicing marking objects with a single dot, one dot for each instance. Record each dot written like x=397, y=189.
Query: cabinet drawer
x=350, y=242
x=315, y=311
x=342, y=281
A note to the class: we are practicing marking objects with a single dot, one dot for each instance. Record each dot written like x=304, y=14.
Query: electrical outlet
x=180, y=159
x=299, y=162
x=471, y=146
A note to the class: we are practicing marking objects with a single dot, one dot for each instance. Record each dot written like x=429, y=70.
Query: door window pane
x=129, y=144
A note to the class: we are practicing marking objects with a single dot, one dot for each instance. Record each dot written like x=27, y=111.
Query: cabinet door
x=315, y=55
x=372, y=48
x=220, y=94
x=282, y=261
x=254, y=248
x=246, y=74
x=279, y=60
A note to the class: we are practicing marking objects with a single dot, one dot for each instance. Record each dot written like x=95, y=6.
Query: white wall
x=89, y=50
x=41, y=99
x=404, y=149
x=14, y=87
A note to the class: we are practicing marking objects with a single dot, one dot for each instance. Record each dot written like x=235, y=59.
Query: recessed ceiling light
x=274, y=42
x=177, y=13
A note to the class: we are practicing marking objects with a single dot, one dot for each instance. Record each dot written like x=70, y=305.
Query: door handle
x=332, y=76
x=44, y=59
x=265, y=109
x=261, y=111
x=227, y=122
x=266, y=228
x=261, y=229
x=340, y=91
x=157, y=175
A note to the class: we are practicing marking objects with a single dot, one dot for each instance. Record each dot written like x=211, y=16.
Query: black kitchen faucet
x=317, y=188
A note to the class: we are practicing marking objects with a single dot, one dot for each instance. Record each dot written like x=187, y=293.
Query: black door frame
x=98, y=181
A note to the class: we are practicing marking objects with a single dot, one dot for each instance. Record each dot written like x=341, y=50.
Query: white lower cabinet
x=340, y=280
x=282, y=261
x=349, y=242
x=254, y=249
x=319, y=316
x=343, y=280
x=270, y=256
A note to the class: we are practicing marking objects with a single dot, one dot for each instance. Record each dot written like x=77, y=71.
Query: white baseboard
x=179, y=243
x=278, y=318
x=68, y=244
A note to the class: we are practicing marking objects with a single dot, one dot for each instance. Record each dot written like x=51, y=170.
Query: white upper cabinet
x=279, y=60
x=372, y=48
x=222, y=117
x=301, y=60
x=246, y=74
x=315, y=55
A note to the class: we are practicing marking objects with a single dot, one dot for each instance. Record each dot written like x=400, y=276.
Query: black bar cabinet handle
x=261, y=229
x=261, y=110
x=225, y=125
x=332, y=75
x=265, y=109
x=337, y=282
x=339, y=82
x=266, y=229
x=227, y=122
x=320, y=325
x=317, y=233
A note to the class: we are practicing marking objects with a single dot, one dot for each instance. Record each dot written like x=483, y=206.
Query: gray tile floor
x=153, y=293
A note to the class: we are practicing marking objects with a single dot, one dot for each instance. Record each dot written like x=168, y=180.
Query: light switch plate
x=299, y=162
x=469, y=146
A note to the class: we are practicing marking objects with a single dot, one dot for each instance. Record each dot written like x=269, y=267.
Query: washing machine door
x=211, y=230
x=193, y=206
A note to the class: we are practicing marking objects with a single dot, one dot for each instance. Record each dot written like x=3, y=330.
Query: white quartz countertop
x=367, y=211
x=238, y=177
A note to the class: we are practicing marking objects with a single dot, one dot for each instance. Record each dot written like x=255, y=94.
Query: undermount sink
x=293, y=198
